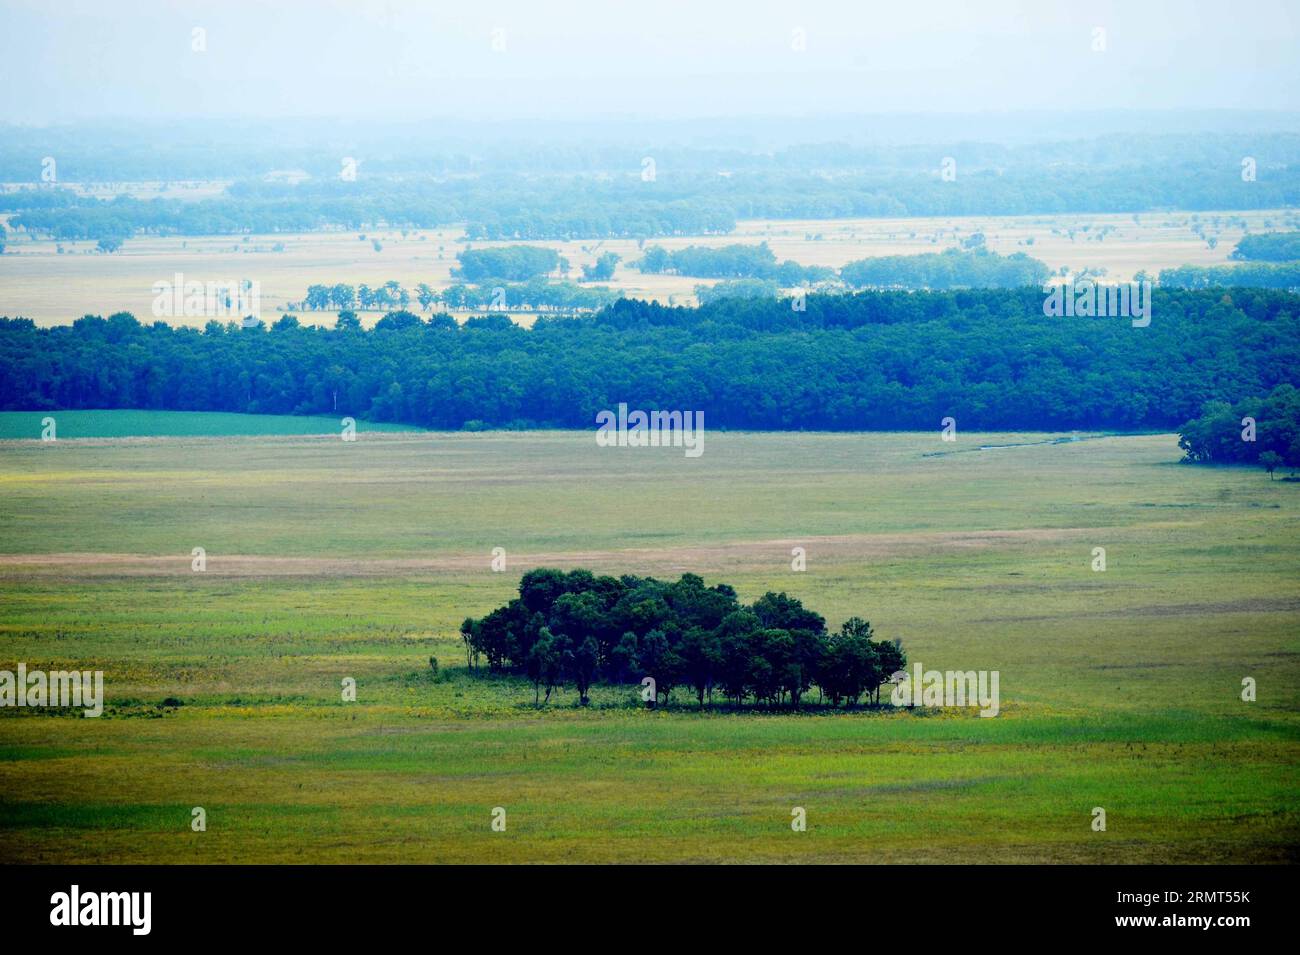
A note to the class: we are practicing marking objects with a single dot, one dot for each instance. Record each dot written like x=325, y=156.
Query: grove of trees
x=1224, y=434
x=603, y=269
x=1269, y=247
x=954, y=268
x=511, y=263
x=735, y=261
x=579, y=628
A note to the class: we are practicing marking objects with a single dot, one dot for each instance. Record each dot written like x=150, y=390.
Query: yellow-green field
x=1120, y=689
x=38, y=282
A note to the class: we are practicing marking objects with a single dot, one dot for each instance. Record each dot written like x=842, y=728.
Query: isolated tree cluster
x=512, y=263
x=951, y=269
x=577, y=628
x=735, y=261
x=1264, y=431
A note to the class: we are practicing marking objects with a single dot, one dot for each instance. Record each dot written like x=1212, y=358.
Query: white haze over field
x=594, y=59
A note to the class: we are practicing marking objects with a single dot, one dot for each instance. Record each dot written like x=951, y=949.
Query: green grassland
x=28, y=425
x=327, y=559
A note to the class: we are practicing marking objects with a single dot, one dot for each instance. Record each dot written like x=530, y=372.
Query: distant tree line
x=255, y=152
x=1264, y=431
x=757, y=272
x=535, y=294
x=511, y=206
x=864, y=361
x=391, y=295
x=751, y=271
x=1269, y=247
x=1282, y=275
x=578, y=628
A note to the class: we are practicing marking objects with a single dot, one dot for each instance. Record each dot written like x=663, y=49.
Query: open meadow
x=38, y=281
x=328, y=560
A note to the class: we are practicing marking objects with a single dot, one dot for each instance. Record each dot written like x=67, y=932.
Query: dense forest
x=578, y=628
x=863, y=361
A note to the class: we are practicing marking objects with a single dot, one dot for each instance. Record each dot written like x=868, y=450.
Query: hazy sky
x=658, y=58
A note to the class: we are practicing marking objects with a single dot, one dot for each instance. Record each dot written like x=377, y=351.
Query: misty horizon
x=401, y=60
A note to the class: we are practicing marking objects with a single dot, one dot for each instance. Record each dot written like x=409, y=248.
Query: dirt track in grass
x=705, y=558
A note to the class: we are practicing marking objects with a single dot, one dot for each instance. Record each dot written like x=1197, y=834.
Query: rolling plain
x=326, y=560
